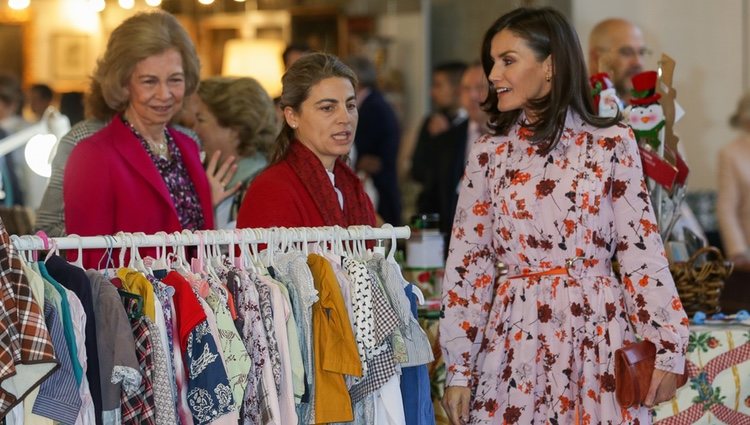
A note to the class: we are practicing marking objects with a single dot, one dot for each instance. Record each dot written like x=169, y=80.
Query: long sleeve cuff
x=457, y=376
x=671, y=362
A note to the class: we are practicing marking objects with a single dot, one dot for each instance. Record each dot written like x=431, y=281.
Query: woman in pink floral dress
x=533, y=311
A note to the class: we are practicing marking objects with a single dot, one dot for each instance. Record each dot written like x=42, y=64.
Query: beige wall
x=54, y=20
x=706, y=40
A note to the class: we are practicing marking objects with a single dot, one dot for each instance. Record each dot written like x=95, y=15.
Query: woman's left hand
x=219, y=177
x=663, y=387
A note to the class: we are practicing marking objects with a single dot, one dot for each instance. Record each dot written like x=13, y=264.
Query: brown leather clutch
x=634, y=366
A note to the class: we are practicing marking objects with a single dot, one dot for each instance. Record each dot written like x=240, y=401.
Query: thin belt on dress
x=601, y=268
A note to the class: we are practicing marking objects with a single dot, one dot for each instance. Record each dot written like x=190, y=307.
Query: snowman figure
x=606, y=102
x=645, y=115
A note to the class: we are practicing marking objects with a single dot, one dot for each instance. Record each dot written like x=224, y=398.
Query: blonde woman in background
x=733, y=206
x=235, y=119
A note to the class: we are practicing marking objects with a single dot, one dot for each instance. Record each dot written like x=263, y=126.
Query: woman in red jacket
x=308, y=183
x=138, y=174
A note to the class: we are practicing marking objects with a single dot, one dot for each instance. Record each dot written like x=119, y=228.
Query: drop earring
x=548, y=78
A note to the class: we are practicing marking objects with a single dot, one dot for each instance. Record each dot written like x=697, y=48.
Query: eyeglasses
x=627, y=52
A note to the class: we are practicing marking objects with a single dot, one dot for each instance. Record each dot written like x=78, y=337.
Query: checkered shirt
x=24, y=338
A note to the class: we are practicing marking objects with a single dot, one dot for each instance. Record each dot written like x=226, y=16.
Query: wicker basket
x=700, y=279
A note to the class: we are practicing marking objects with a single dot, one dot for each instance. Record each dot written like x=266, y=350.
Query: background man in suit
x=445, y=93
x=451, y=148
x=377, y=141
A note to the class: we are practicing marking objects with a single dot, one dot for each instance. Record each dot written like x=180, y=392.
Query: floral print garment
x=532, y=348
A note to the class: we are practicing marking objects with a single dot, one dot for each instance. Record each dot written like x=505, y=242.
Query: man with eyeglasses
x=616, y=46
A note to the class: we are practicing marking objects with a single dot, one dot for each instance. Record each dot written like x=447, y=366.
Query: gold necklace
x=158, y=149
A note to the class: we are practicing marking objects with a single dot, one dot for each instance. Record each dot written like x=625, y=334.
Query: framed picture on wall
x=70, y=56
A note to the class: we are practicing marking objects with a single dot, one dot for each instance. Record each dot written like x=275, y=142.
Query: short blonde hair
x=242, y=104
x=139, y=37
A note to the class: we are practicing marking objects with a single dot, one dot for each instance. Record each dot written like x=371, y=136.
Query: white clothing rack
x=222, y=237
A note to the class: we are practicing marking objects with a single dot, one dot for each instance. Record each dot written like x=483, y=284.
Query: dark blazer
x=447, y=161
x=112, y=185
x=378, y=134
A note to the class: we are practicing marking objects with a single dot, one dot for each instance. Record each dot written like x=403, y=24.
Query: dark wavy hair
x=546, y=32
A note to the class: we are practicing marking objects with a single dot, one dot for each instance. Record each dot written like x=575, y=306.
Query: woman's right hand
x=456, y=404
x=220, y=176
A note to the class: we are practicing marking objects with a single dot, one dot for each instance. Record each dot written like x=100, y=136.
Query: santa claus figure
x=606, y=102
x=645, y=115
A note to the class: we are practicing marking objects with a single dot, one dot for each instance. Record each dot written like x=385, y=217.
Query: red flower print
x=643, y=282
x=648, y=227
x=669, y=346
x=482, y=281
x=545, y=313
x=454, y=300
x=524, y=133
x=520, y=178
x=618, y=189
x=512, y=414
x=544, y=188
x=712, y=342
x=471, y=331
x=481, y=208
x=608, y=382
x=483, y=159
x=570, y=226
x=507, y=371
x=611, y=310
x=576, y=309
x=643, y=315
x=676, y=304
x=565, y=404
x=479, y=229
x=628, y=284
x=599, y=242
x=622, y=246
x=608, y=143
x=505, y=233
x=491, y=407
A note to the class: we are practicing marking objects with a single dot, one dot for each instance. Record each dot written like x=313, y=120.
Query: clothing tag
x=657, y=169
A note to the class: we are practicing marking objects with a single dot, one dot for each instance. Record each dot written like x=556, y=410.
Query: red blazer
x=111, y=185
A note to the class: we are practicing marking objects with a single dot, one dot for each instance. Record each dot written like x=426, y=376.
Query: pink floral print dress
x=534, y=348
